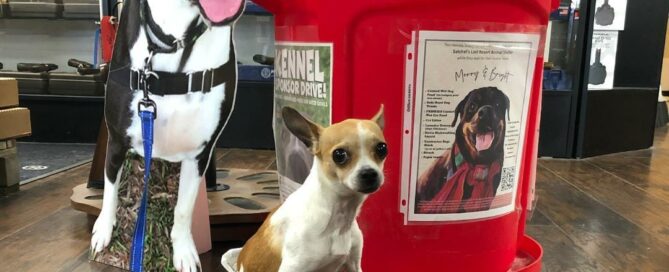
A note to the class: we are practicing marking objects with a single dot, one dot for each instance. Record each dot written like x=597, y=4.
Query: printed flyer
x=468, y=123
x=303, y=81
x=610, y=14
x=602, y=59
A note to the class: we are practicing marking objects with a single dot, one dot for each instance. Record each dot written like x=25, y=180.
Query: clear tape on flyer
x=464, y=132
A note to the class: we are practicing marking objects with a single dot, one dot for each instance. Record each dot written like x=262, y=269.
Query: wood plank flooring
x=609, y=213
x=39, y=231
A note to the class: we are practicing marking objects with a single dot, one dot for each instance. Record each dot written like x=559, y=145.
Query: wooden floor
x=609, y=213
x=39, y=231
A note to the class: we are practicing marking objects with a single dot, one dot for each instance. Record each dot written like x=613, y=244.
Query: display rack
x=53, y=94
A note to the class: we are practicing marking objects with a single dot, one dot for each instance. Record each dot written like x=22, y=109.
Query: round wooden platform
x=250, y=197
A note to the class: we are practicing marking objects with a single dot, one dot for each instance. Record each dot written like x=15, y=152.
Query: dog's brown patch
x=261, y=253
x=370, y=142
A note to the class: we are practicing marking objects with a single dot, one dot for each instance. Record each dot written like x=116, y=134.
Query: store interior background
x=581, y=120
x=603, y=196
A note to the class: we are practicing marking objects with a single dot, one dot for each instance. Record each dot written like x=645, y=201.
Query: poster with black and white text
x=602, y=59
x=610, y=14
x=303, y=81
x=472, y=93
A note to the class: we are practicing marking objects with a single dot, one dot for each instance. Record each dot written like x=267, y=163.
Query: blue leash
x=137, y=254
x=147, y=117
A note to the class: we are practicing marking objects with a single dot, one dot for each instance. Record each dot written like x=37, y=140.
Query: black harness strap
x=164, y=83
x=146, y=21
x=196, y=28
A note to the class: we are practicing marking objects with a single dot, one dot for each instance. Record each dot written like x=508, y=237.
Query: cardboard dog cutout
x=179, y=54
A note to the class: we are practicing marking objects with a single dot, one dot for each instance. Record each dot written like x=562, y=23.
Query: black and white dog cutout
x=182, y=53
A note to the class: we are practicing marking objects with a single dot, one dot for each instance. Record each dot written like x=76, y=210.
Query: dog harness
x=170, y=44
x=165, y=83
x=460, y=172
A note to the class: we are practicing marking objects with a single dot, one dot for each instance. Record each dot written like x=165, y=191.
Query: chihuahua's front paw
x=185, y=257
x=102, y=231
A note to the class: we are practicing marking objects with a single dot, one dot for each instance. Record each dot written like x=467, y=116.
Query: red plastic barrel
x=369, y=40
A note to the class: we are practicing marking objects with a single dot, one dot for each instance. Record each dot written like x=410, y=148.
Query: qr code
x=508, y=177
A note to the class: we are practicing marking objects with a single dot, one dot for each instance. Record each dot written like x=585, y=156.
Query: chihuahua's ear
x=378, y=118
x=307, y=131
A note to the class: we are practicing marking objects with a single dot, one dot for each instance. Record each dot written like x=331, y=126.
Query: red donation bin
x=381, y=54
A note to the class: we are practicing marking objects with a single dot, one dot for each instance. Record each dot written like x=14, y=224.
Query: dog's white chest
x=184, y=123
x=341, y=244
x=334, y=251
x=305, y=217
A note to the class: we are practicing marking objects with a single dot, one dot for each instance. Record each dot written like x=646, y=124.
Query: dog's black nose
x=484, y=112
x=368, y=180
x=369, y=174
x=487, y=114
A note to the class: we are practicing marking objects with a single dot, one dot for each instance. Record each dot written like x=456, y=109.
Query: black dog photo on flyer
x=471, y=101
x=467, y=175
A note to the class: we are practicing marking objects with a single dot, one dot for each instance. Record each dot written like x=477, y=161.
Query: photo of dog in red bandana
x=466, y=177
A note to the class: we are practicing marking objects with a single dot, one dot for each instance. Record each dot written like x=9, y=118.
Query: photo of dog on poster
x=465, y=136
x=466, y=177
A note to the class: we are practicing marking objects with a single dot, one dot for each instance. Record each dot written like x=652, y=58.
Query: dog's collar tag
x=458, y=159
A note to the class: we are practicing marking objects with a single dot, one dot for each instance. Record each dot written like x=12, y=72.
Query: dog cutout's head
x=483, y=116
x=220, y=12
x=350, y=153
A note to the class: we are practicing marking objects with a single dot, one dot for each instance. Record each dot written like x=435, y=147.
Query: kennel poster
x=303, y=81
x=469, y=117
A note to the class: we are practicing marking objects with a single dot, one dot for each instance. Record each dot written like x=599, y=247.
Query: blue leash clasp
x=147, y=111
x=143, y=106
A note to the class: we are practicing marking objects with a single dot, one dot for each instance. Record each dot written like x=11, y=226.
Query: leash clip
x=143, y=81
x=145, y=104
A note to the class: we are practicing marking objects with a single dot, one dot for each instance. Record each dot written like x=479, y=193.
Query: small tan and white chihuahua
x=315, y=229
